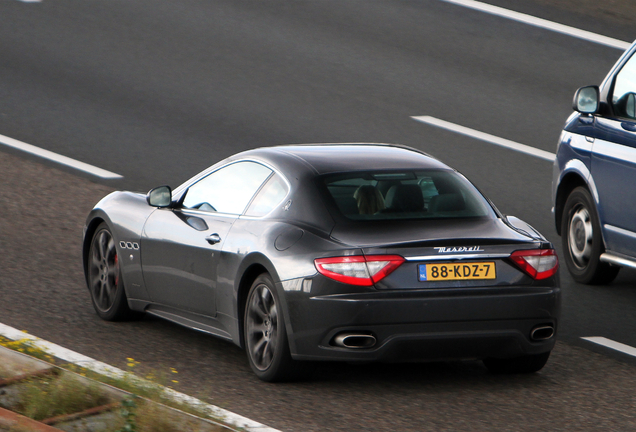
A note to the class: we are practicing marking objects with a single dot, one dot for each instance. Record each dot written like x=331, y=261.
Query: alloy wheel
x=262, y=327
x=104, y=270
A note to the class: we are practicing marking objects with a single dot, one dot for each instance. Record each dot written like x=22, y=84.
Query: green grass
x=45, y=398
x=53, y=396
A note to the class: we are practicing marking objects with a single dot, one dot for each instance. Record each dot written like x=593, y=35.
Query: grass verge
x=53, y=396
x=49, y=397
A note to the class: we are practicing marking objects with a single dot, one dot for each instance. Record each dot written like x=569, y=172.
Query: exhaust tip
x=354, y=340
x=542, y=332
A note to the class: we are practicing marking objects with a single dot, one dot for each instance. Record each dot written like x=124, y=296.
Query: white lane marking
x=542, y=154
x=105, y=369
x=542, y=23
x=81, y=166
x=626, y=349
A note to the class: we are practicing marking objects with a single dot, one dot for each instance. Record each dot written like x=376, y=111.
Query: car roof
x=344, y=157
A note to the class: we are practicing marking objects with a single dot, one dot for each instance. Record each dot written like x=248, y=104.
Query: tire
x=582, y=240
x=104, y=277
x=265, y=334
x=518, y=365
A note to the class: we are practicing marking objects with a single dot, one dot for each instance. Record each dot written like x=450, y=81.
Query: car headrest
x=447, y=202
x=405, y=198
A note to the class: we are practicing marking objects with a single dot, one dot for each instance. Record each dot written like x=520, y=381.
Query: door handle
x=213, y=238
x=631, y=127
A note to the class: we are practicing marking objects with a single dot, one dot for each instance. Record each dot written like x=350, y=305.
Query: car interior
x=404, y=195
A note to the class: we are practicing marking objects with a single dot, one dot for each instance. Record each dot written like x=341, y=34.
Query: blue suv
x=594, y=180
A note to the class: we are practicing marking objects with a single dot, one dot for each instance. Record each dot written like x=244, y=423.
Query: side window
x=624, y=96
x=227, y=190
x=269, y=197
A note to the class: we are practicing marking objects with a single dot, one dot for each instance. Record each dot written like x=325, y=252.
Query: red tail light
x=537, y=263
x=358, y=269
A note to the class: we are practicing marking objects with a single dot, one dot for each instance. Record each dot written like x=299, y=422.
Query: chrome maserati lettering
x=444, y=249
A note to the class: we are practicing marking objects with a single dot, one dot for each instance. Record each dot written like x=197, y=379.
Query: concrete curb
x=19, y=369
x=80, y=360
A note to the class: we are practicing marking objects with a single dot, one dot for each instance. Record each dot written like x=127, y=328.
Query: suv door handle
x=631, y=127
x=213, y=238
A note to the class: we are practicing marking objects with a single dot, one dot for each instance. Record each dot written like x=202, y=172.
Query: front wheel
x=518, y=365
x=104, y=277
x=582, y=240
x=265, y=335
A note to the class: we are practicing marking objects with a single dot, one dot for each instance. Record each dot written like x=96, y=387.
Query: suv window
x=227, y=190
x=623, y=98
x=430, y=194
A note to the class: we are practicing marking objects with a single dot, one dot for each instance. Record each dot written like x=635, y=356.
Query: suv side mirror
x=630, y=105
x=160, y=196
x=586, y=100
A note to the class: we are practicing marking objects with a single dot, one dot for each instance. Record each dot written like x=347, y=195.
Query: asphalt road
x=156, y=91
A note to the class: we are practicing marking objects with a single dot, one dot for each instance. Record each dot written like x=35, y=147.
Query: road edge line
x=608, y=343
x=542, y=23
x=62, y=160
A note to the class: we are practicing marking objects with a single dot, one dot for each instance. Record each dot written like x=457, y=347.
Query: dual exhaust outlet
x=362, y=340
x=354, y=340
x=542, y=332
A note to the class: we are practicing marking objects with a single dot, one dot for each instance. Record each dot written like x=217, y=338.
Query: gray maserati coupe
x=346, y=252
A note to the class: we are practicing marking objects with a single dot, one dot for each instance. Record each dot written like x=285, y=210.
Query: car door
x=613, y=165
x=181, y=246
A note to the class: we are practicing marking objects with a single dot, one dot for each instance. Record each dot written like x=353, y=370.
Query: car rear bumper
x=422, y=325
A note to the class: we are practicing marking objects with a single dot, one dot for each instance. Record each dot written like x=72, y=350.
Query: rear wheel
x=104, y=277
x=524, y=364
x=582, y=240
x=265, y=335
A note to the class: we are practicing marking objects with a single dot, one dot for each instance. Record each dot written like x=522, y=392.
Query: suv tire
x=582, y=240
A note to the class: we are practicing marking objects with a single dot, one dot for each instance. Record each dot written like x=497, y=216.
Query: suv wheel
x=582, y=241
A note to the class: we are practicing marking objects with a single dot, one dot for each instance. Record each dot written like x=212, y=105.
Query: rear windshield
x=427, y=194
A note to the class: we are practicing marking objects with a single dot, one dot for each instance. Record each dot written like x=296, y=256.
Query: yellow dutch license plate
x=457, y=271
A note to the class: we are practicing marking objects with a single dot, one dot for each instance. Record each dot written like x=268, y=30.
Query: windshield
x=426, y=194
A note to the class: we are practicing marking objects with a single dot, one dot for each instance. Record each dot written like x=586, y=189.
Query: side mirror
x=586, y=100
x=630, y=105
x=160, y=196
